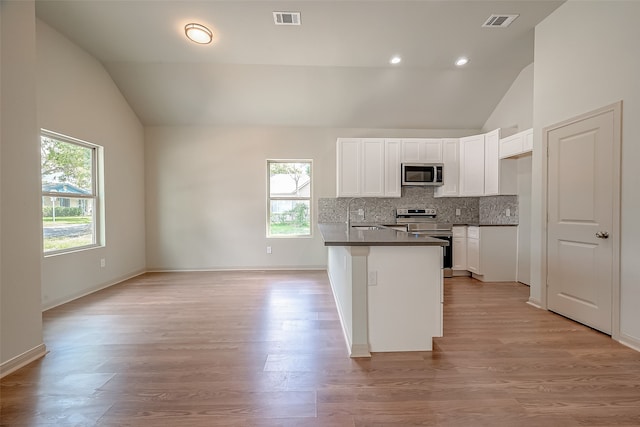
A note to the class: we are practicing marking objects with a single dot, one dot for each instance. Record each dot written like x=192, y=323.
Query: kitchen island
x=387, y=285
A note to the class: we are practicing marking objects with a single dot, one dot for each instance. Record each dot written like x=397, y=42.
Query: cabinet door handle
x=602, y=235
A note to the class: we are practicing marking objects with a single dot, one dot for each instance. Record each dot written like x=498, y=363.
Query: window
x=70, y=214
x=289, y=198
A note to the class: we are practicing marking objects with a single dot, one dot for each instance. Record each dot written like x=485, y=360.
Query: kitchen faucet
x=364, y=203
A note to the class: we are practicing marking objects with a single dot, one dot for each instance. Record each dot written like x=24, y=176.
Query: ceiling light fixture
x=462, y=61
x=198, y=33
x=395, y=60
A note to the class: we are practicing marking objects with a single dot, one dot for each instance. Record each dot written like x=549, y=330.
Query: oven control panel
x=415, y=212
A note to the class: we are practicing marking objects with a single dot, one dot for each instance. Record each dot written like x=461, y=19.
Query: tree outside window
x=289, y=198
x=69, y=193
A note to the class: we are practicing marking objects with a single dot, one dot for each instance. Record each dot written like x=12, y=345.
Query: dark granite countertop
x=487, y=225
x=336, y=234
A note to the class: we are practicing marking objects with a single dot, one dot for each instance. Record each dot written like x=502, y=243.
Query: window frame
x=294, y=198
x=97, y=153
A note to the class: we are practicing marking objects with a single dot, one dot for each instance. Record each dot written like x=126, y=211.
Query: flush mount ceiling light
x=198, y=33
x=462, y=61
x=395, y=60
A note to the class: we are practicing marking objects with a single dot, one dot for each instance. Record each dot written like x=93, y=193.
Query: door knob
x=602, y=235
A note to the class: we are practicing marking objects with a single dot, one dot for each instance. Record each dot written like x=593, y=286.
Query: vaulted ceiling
x=332, y=71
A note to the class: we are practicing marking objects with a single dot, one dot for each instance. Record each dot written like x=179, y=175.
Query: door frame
x=616, y=108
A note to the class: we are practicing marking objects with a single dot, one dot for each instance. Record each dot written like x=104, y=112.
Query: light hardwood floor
x=266, y=349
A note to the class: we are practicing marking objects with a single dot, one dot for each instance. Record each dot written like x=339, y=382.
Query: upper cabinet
x=482, y=173
x=392, y=161
x=471, y=165
x=422, y=150
x=368, y=167
x=517, y=145
x=349, y=167
x=451, y=161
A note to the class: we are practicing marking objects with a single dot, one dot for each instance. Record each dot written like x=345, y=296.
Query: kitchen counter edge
x=336, y=234
x=485, y=225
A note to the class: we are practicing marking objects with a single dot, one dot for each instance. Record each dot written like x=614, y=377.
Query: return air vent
x=286, y=18
x=499, y=21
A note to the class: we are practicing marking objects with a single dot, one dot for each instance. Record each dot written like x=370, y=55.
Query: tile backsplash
x=493, y=209
x=473, y=210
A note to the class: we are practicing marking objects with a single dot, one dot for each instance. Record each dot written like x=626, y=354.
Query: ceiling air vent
x=286, y=18
x=499, y=21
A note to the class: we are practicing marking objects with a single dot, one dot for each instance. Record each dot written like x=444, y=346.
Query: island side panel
x=405, y=306
x=339, y=271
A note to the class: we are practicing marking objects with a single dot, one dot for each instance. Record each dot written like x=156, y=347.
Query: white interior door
x=581, y=219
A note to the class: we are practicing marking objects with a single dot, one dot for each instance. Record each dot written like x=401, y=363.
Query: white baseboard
x=534, y=302
x=629, y=341
x=23, y=359
x=461, y=273
x=187, y=270
x=85, y=292
x=360, y=350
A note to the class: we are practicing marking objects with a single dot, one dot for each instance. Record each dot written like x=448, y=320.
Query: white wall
x=586, y=58
x=76, y=97
x=515, y=110
x=524, y=219
x=20, y=314
x=515, y=113
x=206, y=193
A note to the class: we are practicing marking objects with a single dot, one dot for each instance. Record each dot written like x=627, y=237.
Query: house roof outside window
x=63, y=187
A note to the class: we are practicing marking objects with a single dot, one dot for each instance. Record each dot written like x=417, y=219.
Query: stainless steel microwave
x=422, y=174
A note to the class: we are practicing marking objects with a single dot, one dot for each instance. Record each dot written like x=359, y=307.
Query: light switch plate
x=372, y=278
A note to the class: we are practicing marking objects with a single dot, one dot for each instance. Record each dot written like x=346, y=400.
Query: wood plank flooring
x=266, y=349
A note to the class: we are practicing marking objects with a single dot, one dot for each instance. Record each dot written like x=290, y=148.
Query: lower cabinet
x=492, y=253
x=473, y=249
x=459, y=242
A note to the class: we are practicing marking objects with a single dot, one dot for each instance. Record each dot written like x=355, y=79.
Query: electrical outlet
x=507, y=212
x=372, y=278
x=268, y=249
x=103, y=262
x=457, y=212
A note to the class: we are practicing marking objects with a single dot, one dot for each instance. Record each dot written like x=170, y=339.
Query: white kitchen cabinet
x=472, y=165
x=528, y=140
x=349, y=153
x=368, y=167
x=482, y=173
x=492, y=163
x=393, y=159
x=422, y=150
x=451, y=161
x=473, y=249
x=516, y=145
x=459, y=248
x=500, y=175
x=492, y=253
x=373, y=159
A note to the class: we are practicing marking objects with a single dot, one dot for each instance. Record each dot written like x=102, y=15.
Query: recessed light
x=395, y=60
x=198, y=33
x=462, y=61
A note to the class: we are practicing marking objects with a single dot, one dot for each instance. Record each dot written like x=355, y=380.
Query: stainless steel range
x=424, y=221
